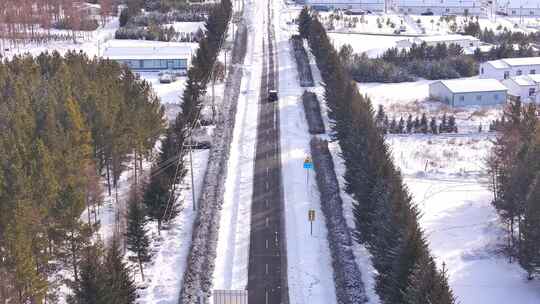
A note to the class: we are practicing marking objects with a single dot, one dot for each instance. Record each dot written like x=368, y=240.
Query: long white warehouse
x=368, y=5
x=507, y=67
x=441, y=7
x=519, y=8
x=468, y=92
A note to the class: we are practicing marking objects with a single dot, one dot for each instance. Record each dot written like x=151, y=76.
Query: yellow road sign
x=311, y=215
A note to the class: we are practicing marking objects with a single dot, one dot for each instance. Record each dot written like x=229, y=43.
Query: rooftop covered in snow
x=446, y=38
x=511, y=62
x=526, y=80
x=473, y=85
x=138, y=49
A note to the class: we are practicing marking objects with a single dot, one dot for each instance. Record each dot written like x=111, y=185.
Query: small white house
x=519, y=8
x=505, y=68
x=442, y=7
x=468, y=92
x=150, y=56
x=368, y=5
x=526, y=87
x=464, y=41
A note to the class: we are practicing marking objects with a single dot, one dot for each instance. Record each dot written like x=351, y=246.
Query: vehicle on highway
x=355, y=12
x=272, y=96
x=427, y=13
x=166, y=77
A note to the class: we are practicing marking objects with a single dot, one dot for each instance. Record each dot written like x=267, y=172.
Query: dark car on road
x=272, y=96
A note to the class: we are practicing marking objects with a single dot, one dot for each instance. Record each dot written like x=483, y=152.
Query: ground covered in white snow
x=446, y=175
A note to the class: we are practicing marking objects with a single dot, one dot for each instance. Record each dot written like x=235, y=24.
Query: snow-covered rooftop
x=510, y=62
x=473, y=85
x=138, y=49
x=439, y=3
x=526, y=80
x=518, y=3
x=445, y=38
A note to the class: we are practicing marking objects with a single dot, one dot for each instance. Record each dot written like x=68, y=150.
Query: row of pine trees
x=514, y=167
x=386, y=219
x=156, y=199
x=67, y=123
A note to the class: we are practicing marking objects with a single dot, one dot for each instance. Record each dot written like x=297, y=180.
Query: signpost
x=311, y=219
x=308, y=164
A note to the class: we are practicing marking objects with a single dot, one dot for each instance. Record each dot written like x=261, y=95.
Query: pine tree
x=401, y=125
x=393, y=126
x=91, y=288
x=452, y=126
x=433, y=126
x=427, y=285
x=159, y=206
x=304, y=22
x=136, y=234
x=409, y=124
x=443, y=127
x=424, y=124
x=529, y=247
x=417, y=125
x=120, y=285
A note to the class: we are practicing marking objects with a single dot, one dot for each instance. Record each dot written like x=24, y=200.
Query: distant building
x=151, y=56
x=462, y=40
x=519, y=8
x=368, y=5
x=441, y=7
x=507, y=67
x=526, y=87
x=468, y=92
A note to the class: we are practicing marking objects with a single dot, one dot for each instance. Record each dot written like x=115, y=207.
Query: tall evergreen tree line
x=386, y=219
x=65, y=121
x=160, y=192
x=515, y=179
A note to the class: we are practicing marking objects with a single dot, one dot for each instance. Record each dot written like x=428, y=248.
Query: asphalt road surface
x=267, y=277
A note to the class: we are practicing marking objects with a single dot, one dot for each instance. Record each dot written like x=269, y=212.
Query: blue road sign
x=308, y=163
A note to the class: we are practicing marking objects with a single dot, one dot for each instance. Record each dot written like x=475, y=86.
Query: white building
x=519, y=8
x=464, y=41
x=526, y=87
x=150, y=56
x=441, y=7
x=467, y=92
x=368, y=5
x=507, y=67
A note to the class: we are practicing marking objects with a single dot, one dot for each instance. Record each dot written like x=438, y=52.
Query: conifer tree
x=443, y=127
x=410, y=124
x=136, y=234
x=452, y=126
x=304, y=20
x=120, y=285
x=424, y=124
x=91, y=288
x=529, y=247
x=433, y=126
x=401, y=125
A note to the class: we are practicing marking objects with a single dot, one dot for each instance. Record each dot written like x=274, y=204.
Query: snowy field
x=446, y=176
x=373, y=45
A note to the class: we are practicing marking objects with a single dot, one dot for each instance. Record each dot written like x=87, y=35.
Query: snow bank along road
x=267, y=256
